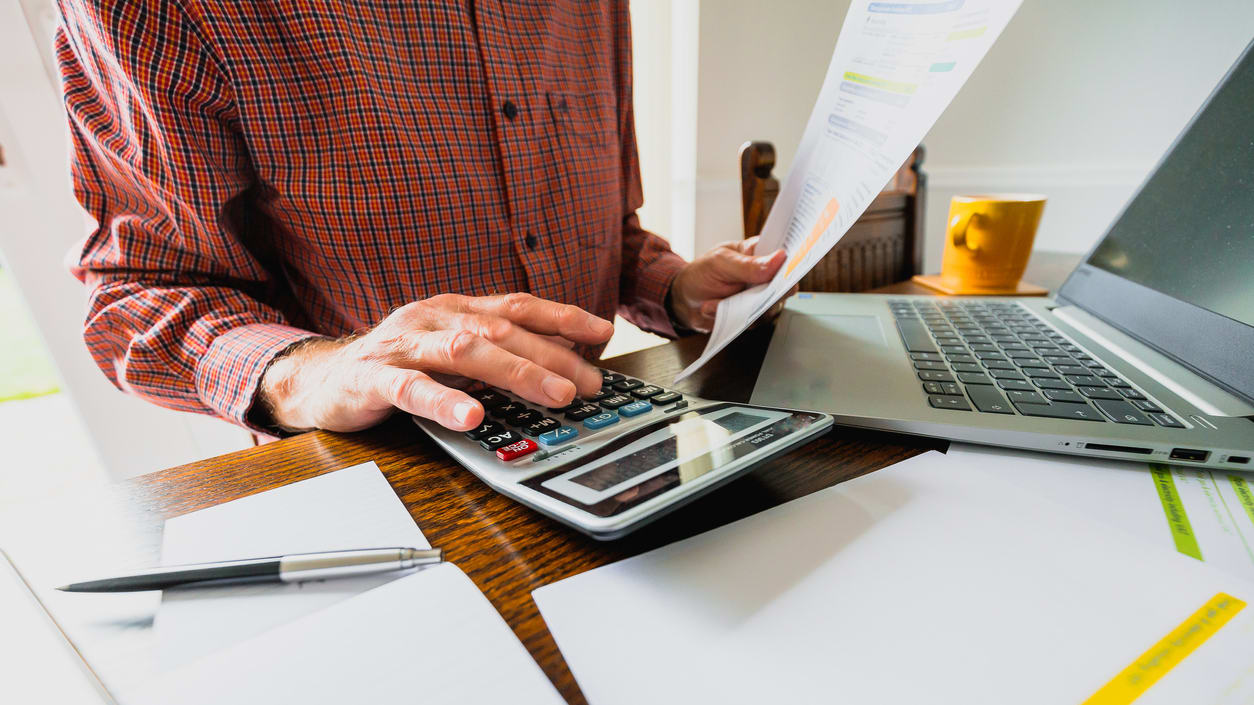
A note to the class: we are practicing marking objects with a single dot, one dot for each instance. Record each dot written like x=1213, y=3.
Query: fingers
x=551, y=352
x=414, y=392
x=545, y=317
x=468, y=354
x=739, y=267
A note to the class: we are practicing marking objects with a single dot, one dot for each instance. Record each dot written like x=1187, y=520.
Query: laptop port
x=1239, y=459
x=1118, y=449
x=1197, y=456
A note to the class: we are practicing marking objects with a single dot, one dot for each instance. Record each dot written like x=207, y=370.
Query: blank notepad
x=431, y=637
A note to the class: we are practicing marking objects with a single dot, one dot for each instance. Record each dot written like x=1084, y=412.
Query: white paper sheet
x=917, y=583
x=895, y=68
x=1215, y=507
x=350, y=508
x=427, y=638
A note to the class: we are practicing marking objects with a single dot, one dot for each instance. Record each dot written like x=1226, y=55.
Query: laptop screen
x=1176, y=269
x=1190, y=231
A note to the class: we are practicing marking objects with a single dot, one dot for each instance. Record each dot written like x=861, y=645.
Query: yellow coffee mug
x=988, y=240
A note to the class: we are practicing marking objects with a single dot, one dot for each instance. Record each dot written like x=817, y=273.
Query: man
x=456, y=178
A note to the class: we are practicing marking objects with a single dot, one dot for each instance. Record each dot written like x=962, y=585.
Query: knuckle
x=516, y=302
x=520, y=369
x=495, y=328
x=459, y=344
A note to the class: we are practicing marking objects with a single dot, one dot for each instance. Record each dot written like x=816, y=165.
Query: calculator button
x=615, y=401
x=502, y=438
x=627, y=385
x=486, y=428
x=666, y=398
x=524, y=418
x=541, y=426
x=600, y=420
x=579, y=413
x=647, y=391
x=601, y=394
x=608, y=378
x=490, y=398
x=506, y=410
x=636, y=408
x=517, y=450
x=558, y=435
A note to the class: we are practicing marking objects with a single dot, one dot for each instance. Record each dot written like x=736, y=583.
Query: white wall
x=1077, y=99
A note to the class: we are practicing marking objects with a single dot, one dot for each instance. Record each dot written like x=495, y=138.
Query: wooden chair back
x=883, y=247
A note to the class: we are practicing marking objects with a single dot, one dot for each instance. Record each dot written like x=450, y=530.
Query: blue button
x=636, y=408
x=600, y=420
x=556, y=436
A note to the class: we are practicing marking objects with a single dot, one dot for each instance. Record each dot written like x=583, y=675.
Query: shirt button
x=510, y=110
x=531, y=241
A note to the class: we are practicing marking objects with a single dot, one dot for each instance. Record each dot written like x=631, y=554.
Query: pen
x=276, y=569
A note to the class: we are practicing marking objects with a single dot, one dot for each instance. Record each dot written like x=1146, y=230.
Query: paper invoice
x=896, y=67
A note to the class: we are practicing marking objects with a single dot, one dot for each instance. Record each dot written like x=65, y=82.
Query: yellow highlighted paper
x=881, y=83
x=1155, y=663
x=820, y=226
x=966, y=34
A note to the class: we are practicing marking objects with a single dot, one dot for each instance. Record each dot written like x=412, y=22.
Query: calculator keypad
x=514, y=429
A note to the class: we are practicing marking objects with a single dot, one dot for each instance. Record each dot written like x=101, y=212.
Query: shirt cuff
x=653, y=281
x=229, y=375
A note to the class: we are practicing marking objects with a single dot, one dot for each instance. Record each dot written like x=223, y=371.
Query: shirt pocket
x=588, y=165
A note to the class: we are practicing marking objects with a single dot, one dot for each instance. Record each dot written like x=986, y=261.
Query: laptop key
x=1071, y=369
x=1166, y=420
x=925, y=356
x=948, y=402
x=1079, y=412
x=1005, y=374
x=967, y=367
x=1016, y=384
x=915, y=335
x=1129, y=393
x=934, y=376
x=1063, y=395
x=942, y=388
x=961, y=358
x=929, y=365
x=1022, y=397
x=1050, y=383
x=1099, y=393
x=1000, y=365
x=1032, y=362
x=1085, y=380
x=973, y=378
x=989, y=400
x=1147, y=405
x=984, y=355
x=1122, y=412
x=953, y=349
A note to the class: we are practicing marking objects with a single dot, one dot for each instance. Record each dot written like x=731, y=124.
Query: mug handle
x=958, y=234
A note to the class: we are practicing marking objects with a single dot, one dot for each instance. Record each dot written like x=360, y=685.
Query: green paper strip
x=1244, y=495
x=1177, y=519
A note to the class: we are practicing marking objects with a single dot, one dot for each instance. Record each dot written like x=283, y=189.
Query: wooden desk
x=505, y=548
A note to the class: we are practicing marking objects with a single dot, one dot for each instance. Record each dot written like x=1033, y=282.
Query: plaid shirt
x=261, y=171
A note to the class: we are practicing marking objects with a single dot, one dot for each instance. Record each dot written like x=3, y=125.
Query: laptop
x=1145, y=353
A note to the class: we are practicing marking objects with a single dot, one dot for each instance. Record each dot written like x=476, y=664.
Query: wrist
x=284, y=396
x=677, y=308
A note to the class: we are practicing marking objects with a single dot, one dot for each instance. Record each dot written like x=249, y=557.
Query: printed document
x=1204, y=514
x=918, y=583
x=896, y=67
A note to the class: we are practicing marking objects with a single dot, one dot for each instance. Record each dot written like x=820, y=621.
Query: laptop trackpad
x=827, y=332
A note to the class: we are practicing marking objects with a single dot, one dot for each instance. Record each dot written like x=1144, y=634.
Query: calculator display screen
x=665, y=455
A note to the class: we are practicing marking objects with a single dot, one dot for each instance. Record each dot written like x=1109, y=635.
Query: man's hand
x=416, y=359
x=715, y=275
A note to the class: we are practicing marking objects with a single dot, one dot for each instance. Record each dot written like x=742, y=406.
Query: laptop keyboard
x=997, y=357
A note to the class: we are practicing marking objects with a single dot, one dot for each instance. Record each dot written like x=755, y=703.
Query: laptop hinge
x=1188, y=385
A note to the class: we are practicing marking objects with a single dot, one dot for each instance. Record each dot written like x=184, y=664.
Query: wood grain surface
x=507, y=549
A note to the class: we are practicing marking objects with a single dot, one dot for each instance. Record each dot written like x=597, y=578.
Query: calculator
x=610, y=463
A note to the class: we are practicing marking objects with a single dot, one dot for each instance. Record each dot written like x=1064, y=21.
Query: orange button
x=517, y=450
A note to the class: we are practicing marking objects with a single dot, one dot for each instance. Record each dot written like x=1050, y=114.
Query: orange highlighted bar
x=825, y=219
